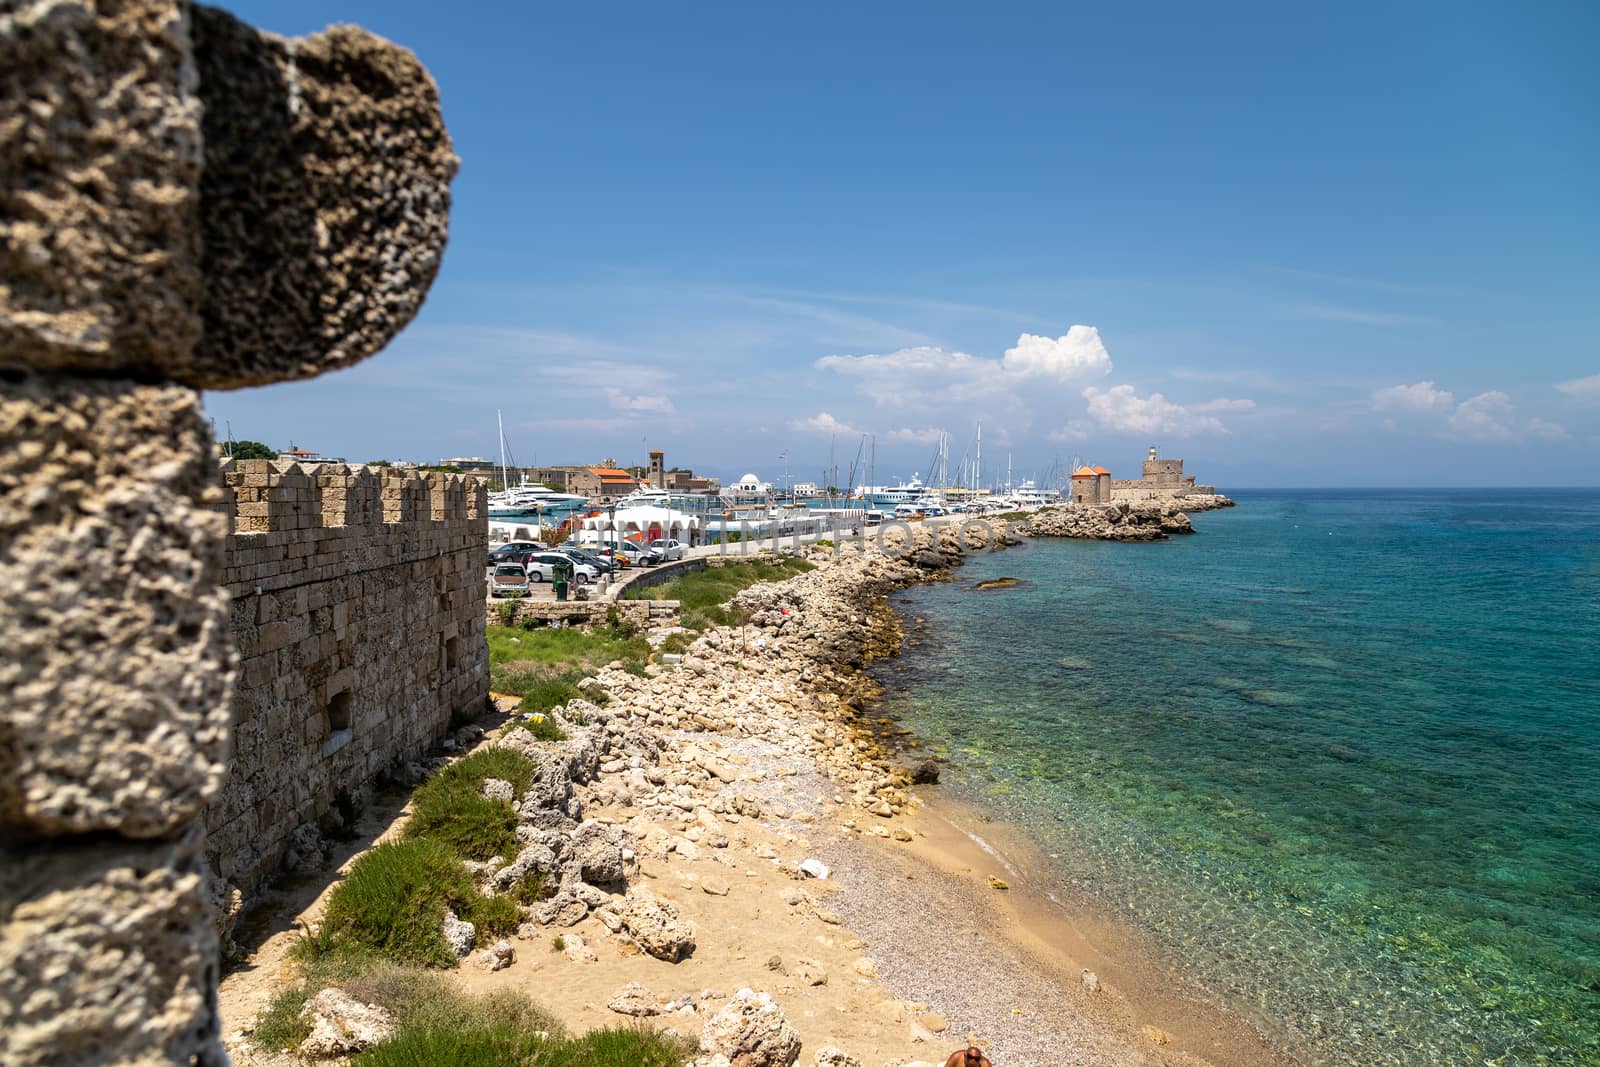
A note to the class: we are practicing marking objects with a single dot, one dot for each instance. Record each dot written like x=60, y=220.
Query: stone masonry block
x=108, y=955
x=325, y=195
x=100, y=160
x=115, y=682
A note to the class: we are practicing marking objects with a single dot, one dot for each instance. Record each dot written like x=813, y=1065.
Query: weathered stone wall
x=357, y=610
x=185, y=203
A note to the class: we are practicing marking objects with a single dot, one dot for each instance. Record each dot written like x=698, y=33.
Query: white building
x=805, y=488
x=751, y=484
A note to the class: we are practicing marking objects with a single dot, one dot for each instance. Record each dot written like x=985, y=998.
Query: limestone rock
x=654, y=925
x=342, y=1025
x=814, y=868
x=751, y=1031
x=499, y=789
x=597, y=849
x=828, y=1056
x=810, y=972
x=459, y=934
x=100, y=159
x=1091, y=981
x=497, y=957
x=325, y=198
x=635, y=1000
x=926, y=773
x=577, y=949
x=118, y=661
x=98, y=933
x=933, y=1022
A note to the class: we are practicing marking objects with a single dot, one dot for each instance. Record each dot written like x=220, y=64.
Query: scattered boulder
x=499, y=789
x=497, y=957
x=751, y=1031
x=1091, y=981
x=654, y=926
x=814, y=868
x=828, y=1056
x=459, y=934
x=635, y=1000
x=342, y=1025
x=925, y=773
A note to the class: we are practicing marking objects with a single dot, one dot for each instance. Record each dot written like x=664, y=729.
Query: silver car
x=541, y=567
x=665, y=550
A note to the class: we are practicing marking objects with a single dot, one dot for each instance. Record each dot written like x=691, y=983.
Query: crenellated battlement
x=269, y=496
x=357, y=608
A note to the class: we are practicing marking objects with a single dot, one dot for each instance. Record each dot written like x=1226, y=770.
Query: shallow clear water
x=1339, y=752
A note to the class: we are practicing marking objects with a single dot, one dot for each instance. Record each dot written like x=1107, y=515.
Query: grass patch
x=541, y=724
x=544, y=666
x=703, y=596
x=450, y=807
x=619, y=1046
x=392, y=905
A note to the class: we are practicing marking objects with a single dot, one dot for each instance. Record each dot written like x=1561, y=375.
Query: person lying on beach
x=971, y=1056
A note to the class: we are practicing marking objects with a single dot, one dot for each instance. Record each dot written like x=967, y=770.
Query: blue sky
x=1351, y=244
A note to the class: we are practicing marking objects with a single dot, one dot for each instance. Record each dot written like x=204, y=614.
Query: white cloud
x=910, y=436
x=1122, y=410
x=1075, y=355
x=917, y=376
x=1550, y=431
x=1420, y=396
x=1582, y=388
x=1480, y=418
x=928, y=376
x=822, y=423
x=643, y=402
x=1074, y=430
x=1223, y=403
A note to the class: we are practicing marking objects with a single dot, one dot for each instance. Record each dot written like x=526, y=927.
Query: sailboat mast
x=977, y=463
x=500, y=424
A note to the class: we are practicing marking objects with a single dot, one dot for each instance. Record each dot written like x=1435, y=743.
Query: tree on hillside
x=248, y=450
x=379, y=463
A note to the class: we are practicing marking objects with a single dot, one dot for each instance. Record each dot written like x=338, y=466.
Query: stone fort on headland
x=188, y=203
x=1163, y=481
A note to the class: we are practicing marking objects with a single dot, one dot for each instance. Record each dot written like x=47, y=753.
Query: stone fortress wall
x=186, y=203
x=356, y=604
x=1163, y=481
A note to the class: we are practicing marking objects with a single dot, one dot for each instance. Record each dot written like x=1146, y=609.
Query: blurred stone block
x=108, y=955
x=117, y=671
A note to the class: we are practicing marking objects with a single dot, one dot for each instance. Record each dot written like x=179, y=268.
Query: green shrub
x=450, y=807
x=281, y=1027
x=541, y=725
x=495, y=916
x=621, y=1046
x=392, y=902
x=480, y=1046
x=530, y=890
x=507, y=612
x=702, y=596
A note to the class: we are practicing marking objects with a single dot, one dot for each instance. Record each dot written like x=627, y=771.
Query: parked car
x=542, y=566
x=513, y=552
x=598, y=562
x=667, y=549
x=508, y=579
x=607, y=550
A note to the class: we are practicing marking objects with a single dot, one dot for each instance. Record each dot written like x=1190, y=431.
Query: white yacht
x=530, y=499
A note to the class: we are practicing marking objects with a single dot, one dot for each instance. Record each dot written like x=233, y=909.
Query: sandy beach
x=906, y=950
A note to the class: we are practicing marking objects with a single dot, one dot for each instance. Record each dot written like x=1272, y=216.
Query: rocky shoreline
x=1120, y=521
x=675, y=822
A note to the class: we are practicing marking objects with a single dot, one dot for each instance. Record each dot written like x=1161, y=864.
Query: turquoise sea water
x=1339, y=752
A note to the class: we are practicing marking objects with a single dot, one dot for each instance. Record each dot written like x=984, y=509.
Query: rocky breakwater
x=1120, y=521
